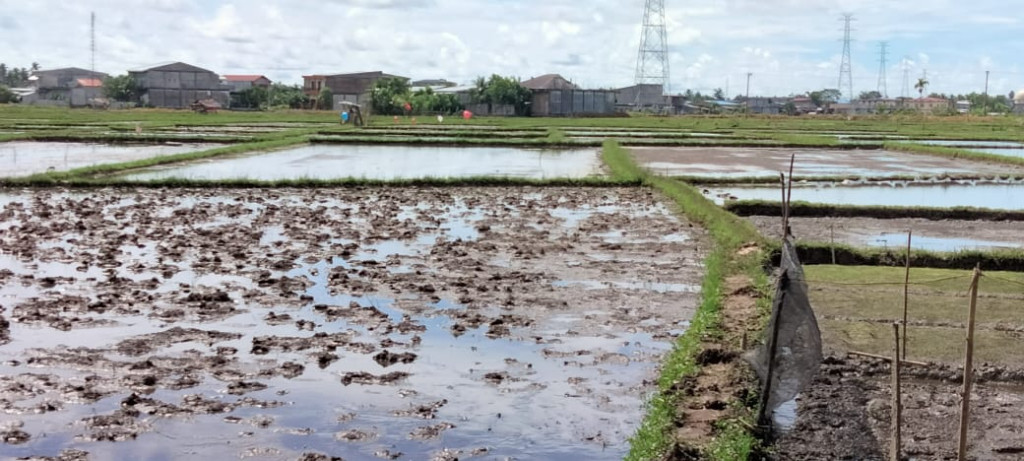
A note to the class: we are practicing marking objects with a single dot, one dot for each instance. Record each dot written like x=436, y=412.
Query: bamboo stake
x=965, y=408
x=906, y=296
x=785, y=209
x=789, y=195
x=888, y=359
x=897, y=404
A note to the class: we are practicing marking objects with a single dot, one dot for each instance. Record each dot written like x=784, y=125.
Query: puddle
x=946, y=244
x=733, y=162
x=546, y=355
x=20, y=158
x=970, y=144
x=389, y=163
x=943, y=195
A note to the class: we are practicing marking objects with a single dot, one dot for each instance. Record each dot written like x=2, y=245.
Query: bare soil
x=847, y=414
x=440, y=324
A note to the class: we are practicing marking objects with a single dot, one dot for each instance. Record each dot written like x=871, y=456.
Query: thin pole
x=986, y=90
x=906, y=296
x=897, y=405
x=789, y=195
x=785, y=208
x=965, y=408
x=749, y=74
x=832, y=237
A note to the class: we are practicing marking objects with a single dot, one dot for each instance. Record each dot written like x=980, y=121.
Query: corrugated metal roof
x=89, y=82
x=243, y=78
x=549, y=82
x=172, y=67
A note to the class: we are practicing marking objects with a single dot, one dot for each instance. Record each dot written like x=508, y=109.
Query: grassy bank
x=655, y=438
x=952, y=152
x=817, y=210
x=820, y=253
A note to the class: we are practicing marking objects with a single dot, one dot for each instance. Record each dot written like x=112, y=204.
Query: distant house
x=354, y=88
x=804, y=104
x=239, y=83
x=555, y=96
x=433, y=84
x=766, y=105
x=927, y=105
x=178, y=85
x=1018, y=102
x=963, y=106
x=69, y=86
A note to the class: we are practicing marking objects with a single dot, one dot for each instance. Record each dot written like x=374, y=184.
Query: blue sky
x=790, y=46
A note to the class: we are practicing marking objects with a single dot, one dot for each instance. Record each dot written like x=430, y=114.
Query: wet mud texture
x=846, y=414
x=277, y=324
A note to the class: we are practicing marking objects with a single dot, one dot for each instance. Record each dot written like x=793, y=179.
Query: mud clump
x=368, y=379
x=65, y=455
x=146, y=344
x=427, y=411
x=319, y=457
x=387, y=358
x=430, y=432
x=355, y=435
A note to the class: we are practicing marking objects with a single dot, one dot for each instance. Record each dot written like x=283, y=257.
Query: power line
x=652, y=63
x=846, y=68
x=92, y=39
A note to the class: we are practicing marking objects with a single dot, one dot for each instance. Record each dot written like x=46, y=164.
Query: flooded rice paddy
x=945, y=235
x=1008, y=195
x=733, y=162
x=388, y=162
x=368, y=324
x=20, y=158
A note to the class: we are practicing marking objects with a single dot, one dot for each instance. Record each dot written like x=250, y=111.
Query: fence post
x=906, y=297
x=965, y=408
x=897, y=404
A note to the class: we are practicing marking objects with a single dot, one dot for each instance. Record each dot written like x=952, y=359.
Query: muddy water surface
x=391, y=162
x=1006, y=196
x=20, y=158
x=367, y=324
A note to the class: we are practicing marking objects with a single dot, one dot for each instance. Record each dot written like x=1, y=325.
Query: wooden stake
x=785, y=208
x=965, y=408
x=789, y=195
x=897, y=405
x=906, y=297
x=887, y=359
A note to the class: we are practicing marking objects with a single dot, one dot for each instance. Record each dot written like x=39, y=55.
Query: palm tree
x=921, y=84
x=35, y=66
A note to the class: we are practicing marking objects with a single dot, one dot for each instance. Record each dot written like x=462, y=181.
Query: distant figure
x=440, y=119
x=344, y=117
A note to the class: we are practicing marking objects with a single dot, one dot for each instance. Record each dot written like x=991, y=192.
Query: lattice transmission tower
x=652, y=65
x=846, y=68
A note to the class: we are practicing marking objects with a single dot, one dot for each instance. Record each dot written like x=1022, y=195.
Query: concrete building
x=549, y=82
x=239, y=83
x=354, y=88
x=179, y=85
x=766, y=105
x=927, y=105
x=1018, y=102
x=646, y=96
x=70, y=86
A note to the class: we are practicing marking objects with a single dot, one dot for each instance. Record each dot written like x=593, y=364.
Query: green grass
x=820, y=210
x=846, y=255
x=858, y=304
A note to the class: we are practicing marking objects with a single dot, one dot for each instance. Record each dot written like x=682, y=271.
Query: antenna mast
x=652, y=63
x=846, y=68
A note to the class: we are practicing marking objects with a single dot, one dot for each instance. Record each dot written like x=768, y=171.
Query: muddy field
x=947, y=235
x=366, y=324
x=846, y=414
x=725, y=162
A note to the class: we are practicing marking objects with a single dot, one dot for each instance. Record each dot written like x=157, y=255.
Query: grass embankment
x=817, y=253
x=818, y=210
x=857, y=306
x=952, y=152
x=731, y=440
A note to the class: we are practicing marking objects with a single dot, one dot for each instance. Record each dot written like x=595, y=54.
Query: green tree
x=826, y=97
x=256, y=97
x=325, y=101
x=287, y=97
x=121, y=88
x=7, y=96
x=790, y=109
x=921, y=85
x=719, y=94
x=389, y=95
x=870, y=95
x=504, y=91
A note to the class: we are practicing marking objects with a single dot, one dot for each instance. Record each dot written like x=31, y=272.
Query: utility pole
x=905, y=93
x=92, y=40
x=883, y=83
x=749, y=74
x=846, y=68
x=987, y=72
